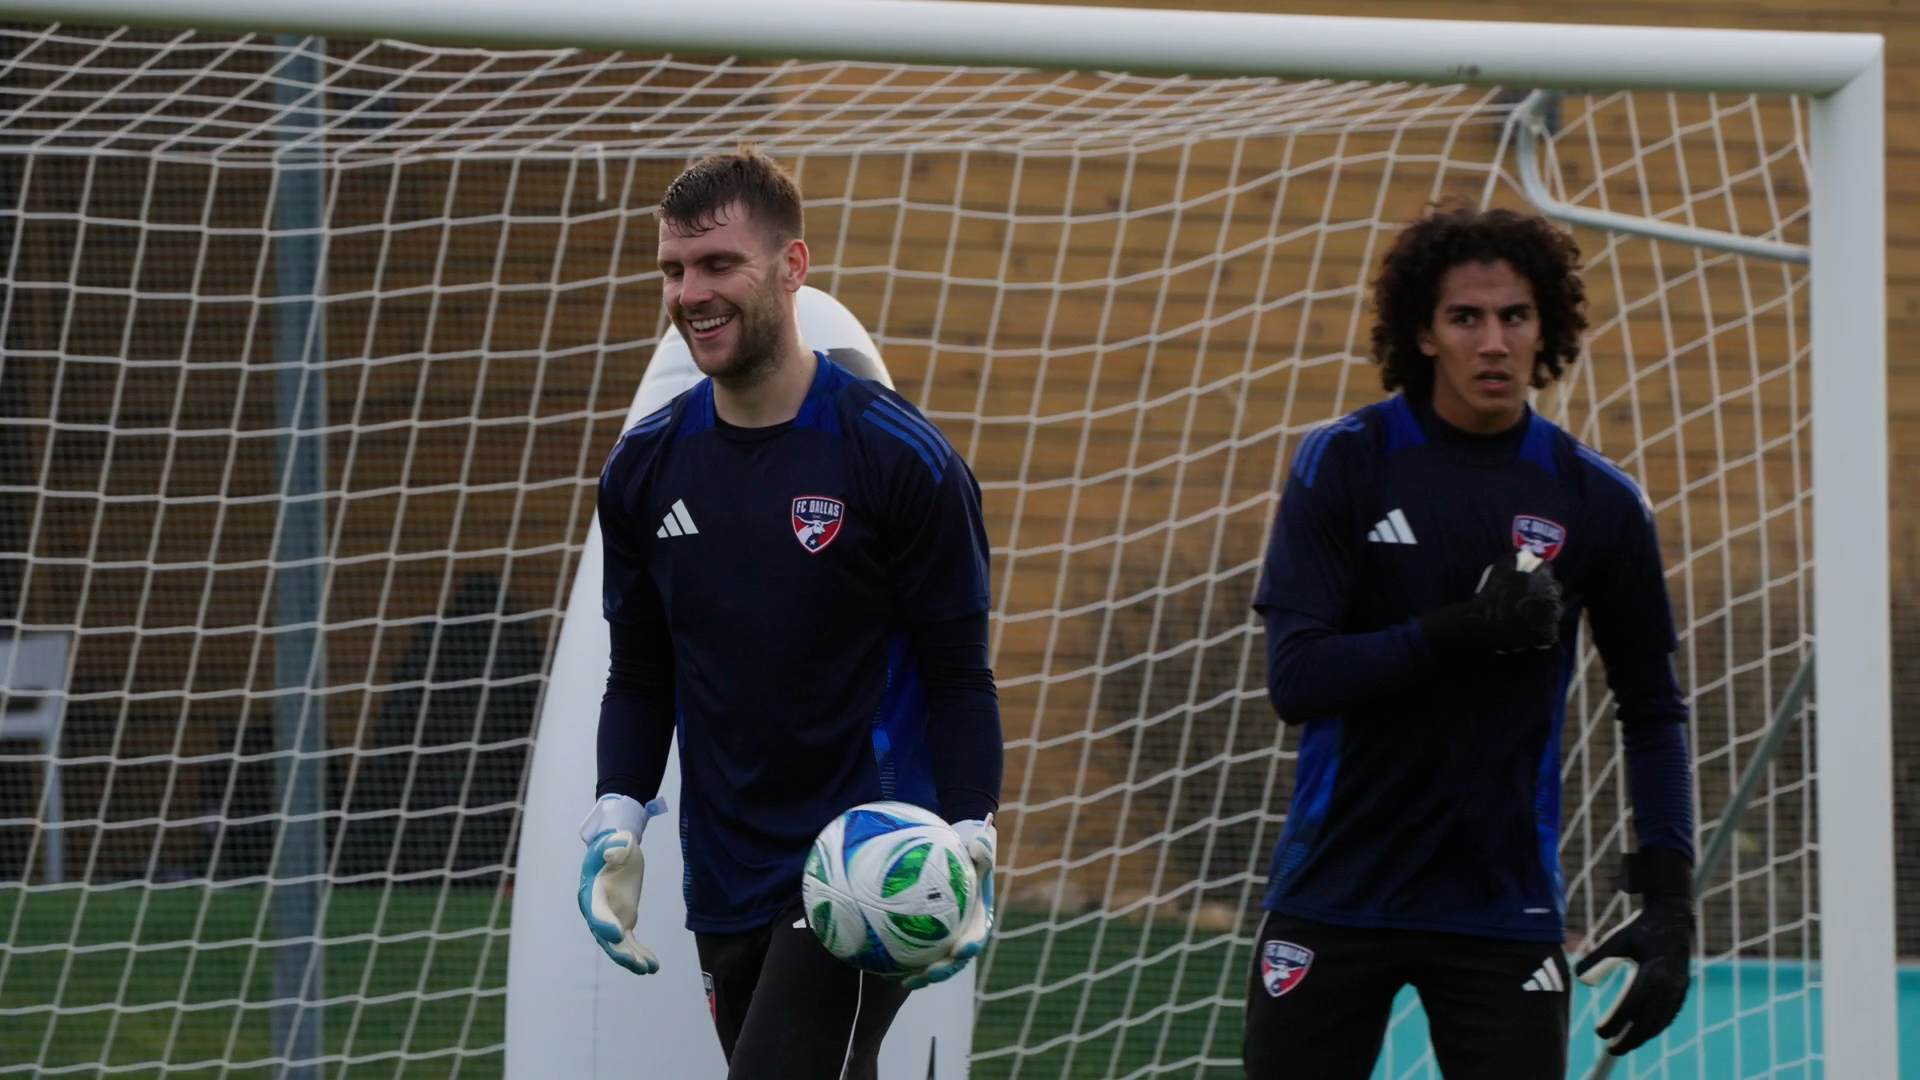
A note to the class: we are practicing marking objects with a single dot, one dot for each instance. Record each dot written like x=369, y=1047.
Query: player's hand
x=610, y=878
x=1656, y=947
x=981, y=842
x=1518, y=606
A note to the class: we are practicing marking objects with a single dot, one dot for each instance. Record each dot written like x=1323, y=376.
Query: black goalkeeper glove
x=1656, y=945
x=1517, y=607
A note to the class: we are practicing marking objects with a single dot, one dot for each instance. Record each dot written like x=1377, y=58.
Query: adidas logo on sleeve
x=677, y=522
x=1547, y=978
x=1392, y=529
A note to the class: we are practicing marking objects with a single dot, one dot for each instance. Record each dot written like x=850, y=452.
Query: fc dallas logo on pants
x=816, y=520
x=1283, y=965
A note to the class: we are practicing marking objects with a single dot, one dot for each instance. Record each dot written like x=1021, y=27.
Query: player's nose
x=1493, y=340
x=695, y=289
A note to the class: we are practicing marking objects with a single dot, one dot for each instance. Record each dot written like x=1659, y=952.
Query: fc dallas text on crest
x=816, y=520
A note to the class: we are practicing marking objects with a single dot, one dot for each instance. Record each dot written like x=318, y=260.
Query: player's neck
x=1462, y=417
x=1441, y=429
x=774, y=396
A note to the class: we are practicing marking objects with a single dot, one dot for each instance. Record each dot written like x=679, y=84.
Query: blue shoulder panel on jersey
x=644, y=427
x=653, y=421
x=1306, y=459
x=820, y=409
x=1537, y=446
x=918, y=423
x=699, y=414
x=1599, y=461
x=648, y=425
x=922, y=436
x=1403, y=428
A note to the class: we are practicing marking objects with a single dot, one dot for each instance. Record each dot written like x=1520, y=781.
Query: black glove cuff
x=1657, y=872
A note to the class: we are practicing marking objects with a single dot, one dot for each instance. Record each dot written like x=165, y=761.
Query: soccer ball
x=886, y=887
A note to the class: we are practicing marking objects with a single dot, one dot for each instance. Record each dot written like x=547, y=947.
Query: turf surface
x=157, y=981
x=416, y=984
x=194, y=988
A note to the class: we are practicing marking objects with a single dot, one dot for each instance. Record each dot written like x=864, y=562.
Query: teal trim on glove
x=981, y=842
x=611, y=876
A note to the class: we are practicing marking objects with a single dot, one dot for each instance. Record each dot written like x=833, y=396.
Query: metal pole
x=1525, y=121
x=1729, y=824
x=300, y=404
x=1853, y=741
x=1742, y=797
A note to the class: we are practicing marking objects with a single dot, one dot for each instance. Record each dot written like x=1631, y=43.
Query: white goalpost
x=319, y=321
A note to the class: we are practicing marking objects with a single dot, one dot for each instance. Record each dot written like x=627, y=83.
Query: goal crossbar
x=1060, y=37
x=1841, y=73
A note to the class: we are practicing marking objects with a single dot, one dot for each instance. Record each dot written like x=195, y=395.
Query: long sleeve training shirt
x=1428, y=796
x=804, y=607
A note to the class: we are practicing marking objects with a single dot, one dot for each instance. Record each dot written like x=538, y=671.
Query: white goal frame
x=1842, y=74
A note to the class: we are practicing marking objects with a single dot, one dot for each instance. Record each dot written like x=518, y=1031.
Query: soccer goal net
x=314, y=348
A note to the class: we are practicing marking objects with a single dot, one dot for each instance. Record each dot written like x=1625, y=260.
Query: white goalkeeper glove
x=611, y=875
x=981, y=841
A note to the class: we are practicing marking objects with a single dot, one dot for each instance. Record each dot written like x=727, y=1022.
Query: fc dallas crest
x=1538, y=535
x=816, y=520
x=1282, y=965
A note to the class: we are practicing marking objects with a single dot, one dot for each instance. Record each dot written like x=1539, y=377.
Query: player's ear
x=1543, y=374
x=795, y=261
x=1424, y=338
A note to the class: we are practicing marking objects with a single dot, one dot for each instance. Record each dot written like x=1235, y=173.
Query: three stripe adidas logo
x=1547, y=978
x=677, y=522
x=1392, y=529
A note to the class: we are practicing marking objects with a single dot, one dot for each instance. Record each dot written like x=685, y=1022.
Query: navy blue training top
x=1426, y=797
x=789, y=567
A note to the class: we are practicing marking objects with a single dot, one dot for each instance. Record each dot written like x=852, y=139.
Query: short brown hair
x=1454, y=234
x=694, y=201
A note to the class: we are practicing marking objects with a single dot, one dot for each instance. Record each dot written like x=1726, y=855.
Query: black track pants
x=786, y=1009
x=1319, y=998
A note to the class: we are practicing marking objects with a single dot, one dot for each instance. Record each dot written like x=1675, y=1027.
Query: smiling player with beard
x=1422, y=592
x=796, y=585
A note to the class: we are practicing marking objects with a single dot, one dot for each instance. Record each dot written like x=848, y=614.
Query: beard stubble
x=757, y=351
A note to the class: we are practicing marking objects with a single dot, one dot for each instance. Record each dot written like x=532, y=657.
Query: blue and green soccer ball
x=886, y=887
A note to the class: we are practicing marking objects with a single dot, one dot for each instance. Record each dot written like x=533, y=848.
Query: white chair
x=33, y=677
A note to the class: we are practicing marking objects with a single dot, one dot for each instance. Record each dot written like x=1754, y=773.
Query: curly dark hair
x=1450, y=235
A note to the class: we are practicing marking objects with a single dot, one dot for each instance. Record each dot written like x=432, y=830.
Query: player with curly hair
x=1428, y=567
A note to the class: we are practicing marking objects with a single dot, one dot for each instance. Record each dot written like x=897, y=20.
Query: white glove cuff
x=978, y=829
x=972, y=827
x=620, y=812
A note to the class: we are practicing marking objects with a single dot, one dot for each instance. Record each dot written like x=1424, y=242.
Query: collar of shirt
x=737, y=434
x=1496, y=449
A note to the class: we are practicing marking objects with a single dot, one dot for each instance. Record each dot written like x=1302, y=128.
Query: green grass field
x=173, y=976
x=427, y=970
x=1166, y=989
x=424, y=974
